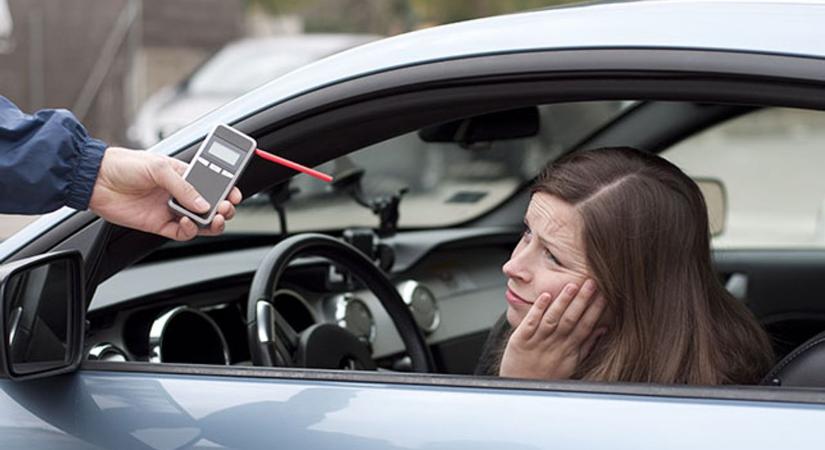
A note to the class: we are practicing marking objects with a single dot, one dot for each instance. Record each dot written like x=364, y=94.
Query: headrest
x=803, y=367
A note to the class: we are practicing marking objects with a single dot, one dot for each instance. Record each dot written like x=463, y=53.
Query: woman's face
x=549, y=255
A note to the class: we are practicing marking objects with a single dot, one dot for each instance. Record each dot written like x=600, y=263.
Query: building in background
x=102, y=59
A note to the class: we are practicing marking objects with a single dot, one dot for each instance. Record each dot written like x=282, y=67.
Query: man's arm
x=47, y=160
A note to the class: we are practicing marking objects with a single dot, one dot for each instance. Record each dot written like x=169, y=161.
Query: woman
x=612, y=281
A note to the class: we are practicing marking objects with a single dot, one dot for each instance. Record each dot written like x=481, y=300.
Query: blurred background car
x=236, y=69
x=6, y=26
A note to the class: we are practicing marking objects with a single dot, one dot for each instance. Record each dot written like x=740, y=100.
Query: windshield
x=447, y=183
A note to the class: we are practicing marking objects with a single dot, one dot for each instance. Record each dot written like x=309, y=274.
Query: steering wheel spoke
x=275, y=333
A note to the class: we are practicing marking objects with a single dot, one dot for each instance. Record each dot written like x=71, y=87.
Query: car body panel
x=134, y=410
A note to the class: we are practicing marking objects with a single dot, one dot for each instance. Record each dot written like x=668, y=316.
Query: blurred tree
x=278, y=7
x=441, y=11
x=391, y=16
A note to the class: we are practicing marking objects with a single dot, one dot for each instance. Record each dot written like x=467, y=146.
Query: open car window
x=449, y=184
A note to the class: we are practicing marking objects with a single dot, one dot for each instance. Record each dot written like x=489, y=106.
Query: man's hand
x=133, y=187
x=555, y=336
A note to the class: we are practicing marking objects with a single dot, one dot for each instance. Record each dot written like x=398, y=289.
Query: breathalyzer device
x=217, y=165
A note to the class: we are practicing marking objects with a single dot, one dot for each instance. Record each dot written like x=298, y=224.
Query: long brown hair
x=647, y=241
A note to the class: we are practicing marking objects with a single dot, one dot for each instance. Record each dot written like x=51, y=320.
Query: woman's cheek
x=557, y=285
x=553, y=284
x=553, y=291
x=514, y=316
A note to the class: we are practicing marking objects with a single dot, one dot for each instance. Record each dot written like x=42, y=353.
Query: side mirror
x=42, y=315
x=716, y=200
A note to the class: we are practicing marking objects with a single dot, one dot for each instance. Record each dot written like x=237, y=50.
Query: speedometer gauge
x=422, y=304
x=353, y=314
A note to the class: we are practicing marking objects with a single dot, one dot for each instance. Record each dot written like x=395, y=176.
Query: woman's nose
x=516, y=268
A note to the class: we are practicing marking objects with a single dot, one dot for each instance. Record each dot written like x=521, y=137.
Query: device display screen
x=223, y=152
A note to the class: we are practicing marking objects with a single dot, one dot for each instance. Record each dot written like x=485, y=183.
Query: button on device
x=215, y=167
x=227, y=174
x=203, y=161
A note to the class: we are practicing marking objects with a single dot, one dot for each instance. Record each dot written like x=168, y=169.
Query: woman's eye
x=526, y=233
x=550, y=257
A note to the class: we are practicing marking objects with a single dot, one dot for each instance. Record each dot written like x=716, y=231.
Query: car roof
x=792, y=27
x=753, y=26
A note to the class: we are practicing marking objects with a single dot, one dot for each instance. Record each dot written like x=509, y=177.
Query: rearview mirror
x=716, y=201
x=496, y=126
x=41, y=319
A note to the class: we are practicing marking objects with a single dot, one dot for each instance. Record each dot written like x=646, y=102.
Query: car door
x=142, y=409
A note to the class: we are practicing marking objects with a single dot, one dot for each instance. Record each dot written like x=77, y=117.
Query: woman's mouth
x=514, y=299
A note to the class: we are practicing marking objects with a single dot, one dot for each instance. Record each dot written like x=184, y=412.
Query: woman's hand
x=555, y=336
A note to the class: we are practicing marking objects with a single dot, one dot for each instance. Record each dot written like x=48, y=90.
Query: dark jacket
x=47, y=160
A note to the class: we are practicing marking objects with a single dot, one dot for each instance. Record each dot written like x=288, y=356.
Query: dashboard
x=193, y=309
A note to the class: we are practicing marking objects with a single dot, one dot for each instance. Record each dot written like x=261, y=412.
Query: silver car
x=354, y=315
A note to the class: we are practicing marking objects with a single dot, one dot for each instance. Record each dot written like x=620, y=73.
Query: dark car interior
x=195, y=302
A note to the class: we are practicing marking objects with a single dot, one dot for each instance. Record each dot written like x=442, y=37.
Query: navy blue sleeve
x=47, y=160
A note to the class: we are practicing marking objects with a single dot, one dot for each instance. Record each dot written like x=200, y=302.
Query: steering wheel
x=273, y=342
